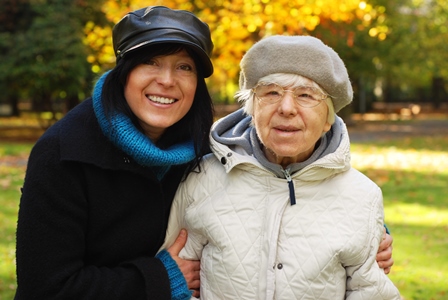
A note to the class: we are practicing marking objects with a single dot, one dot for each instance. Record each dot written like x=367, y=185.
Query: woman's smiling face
x=161, y=91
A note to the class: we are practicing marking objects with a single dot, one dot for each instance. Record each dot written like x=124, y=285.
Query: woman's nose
x=288, y=104
x=165, y=77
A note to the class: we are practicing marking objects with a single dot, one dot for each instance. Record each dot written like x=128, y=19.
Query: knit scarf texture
x=123, y=134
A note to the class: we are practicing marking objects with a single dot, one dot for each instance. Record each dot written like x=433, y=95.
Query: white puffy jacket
x=253, y=244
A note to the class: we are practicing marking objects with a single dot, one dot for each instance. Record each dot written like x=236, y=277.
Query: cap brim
x=170, y=36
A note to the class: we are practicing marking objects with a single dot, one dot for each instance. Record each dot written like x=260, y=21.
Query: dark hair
x=194, y=125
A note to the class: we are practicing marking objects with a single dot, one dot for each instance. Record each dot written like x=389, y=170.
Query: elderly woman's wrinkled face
x=288, y=131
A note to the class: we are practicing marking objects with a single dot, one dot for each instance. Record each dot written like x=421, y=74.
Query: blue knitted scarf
x=128, y=138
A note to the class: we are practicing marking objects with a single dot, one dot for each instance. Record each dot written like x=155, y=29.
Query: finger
x=191, y=272
x=196, y=265
x=190, y=269
x=194, y=285
x=384, y=264
x=179, y=243
x=384, y=243
x=196, y=293
x=386, y=254
x=387, y=270
x=389, y=239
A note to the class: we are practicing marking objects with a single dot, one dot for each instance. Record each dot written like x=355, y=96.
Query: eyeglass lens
x=306, y=96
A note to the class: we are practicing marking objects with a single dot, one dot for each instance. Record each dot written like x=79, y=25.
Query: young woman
x=100, y=182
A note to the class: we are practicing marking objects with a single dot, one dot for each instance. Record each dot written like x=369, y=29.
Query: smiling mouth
x=161, y=100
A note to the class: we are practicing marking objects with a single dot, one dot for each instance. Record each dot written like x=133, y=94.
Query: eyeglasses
x=305, y=96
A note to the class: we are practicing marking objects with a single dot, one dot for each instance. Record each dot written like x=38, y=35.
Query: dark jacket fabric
x=91, y=220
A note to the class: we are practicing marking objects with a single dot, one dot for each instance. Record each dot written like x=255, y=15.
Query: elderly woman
x=278, y=212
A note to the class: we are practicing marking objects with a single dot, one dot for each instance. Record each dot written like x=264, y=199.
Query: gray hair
x=246, y=96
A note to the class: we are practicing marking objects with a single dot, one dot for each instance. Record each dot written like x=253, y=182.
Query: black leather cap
x=159, y=24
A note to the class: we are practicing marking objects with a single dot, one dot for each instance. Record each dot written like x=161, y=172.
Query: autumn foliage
x=237, y=24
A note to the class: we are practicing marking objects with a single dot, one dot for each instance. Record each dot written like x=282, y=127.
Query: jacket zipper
x=292, y=194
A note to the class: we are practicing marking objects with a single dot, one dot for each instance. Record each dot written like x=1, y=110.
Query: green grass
x=412, y=172
x=12, y=169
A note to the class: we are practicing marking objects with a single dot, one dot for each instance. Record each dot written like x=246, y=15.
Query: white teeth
x=162, y=100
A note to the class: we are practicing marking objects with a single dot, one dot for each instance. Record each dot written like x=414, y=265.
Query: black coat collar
x=81, y=139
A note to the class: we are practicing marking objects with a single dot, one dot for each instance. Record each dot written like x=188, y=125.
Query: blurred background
x=396, y=52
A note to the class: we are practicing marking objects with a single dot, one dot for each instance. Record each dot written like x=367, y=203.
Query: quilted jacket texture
x=253, y=244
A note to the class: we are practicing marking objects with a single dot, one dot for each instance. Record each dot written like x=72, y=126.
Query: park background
x=396, y=52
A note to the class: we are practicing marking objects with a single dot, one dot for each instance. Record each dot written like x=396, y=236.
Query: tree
x=47, y=57
x=414, y=57
x=15, y=16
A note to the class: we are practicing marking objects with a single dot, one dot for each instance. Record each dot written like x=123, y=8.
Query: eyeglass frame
x=295, y=96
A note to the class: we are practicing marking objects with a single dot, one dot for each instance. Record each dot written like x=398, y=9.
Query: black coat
x=90, y=219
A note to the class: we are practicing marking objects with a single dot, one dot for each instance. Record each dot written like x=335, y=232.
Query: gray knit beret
x=302, y=55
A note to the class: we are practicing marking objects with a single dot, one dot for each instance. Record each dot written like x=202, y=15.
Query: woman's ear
x=327, y=127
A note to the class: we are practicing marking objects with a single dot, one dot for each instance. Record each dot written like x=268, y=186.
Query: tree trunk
x=14, y=103
x=438, y=92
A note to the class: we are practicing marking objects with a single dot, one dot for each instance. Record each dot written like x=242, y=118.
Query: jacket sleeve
x=185, y=198
x=182, y=200
x=176, y=216
x=367, y=280
x=51, y=241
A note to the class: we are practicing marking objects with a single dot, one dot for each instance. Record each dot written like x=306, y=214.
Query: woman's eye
x=186, y=68
x=273, y=93
x=306, y=96
x=150, y=62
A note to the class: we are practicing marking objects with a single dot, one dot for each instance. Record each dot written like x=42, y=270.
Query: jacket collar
x=232, y=140
x=86, y=143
